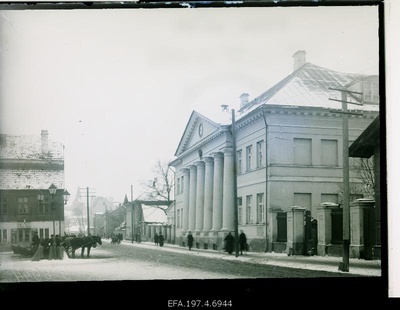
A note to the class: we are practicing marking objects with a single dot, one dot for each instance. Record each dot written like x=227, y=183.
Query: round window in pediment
x=201, y=129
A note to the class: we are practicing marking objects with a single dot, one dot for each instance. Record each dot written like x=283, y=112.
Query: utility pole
x=344, y=265
x=235, y=184
x=88, y=194
x=132, y=218
x=88, y=217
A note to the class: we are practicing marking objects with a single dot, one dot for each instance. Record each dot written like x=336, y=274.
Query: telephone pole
x=132, y=221
x=88, y=194
x=344, y=265
x=236, y=216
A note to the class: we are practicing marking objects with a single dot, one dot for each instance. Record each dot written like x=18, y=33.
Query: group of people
x=229, y=242
x=159, y=239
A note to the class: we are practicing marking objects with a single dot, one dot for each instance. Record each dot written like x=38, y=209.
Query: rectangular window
x=330, y=198
x=26, y=234
x=22, y=205
x=260, y=208
x=178, y=218
x=248, y=157
x=178, y=186
x=3, y=205
x=260, y=153
x=248, y=209
x=302, y=200
x=370, y=92
x=239, y=161
x=20, y=235
x=240, y=210
x=329, y=153
x=302, y=151
x=182, y=182
x=4, y=235
x=44, y=206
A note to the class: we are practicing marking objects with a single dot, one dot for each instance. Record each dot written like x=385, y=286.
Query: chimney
x=299, y=59
x=244, y=99
x=45, y=142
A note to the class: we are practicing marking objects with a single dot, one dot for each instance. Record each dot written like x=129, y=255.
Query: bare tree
x=363, y=174
x=161, y=187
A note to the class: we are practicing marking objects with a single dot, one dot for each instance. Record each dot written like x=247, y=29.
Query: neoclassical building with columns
x=288, y=154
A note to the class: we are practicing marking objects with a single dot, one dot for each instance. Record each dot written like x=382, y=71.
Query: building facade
x=288, y=145
x=145, y=218
x=28, y=167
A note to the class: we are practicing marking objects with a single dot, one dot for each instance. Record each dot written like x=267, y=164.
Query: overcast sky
x=117, y=87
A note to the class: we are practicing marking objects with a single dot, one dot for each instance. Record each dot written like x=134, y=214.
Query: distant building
x=288, y=154
x=28, y=167
x=147, y=218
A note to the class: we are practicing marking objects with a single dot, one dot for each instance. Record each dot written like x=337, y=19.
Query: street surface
x=176, y=275
x=128, y=261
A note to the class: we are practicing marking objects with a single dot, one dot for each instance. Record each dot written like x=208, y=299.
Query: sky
x=117, y=86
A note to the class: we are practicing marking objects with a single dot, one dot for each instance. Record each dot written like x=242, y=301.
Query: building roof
x=26, y=164
x=154, y=213
x=28, y=147
x=364, y=145
x=30, y=179
x=308, y=86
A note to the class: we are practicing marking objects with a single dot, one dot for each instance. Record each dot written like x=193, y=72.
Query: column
x=186, y=195
x=228, y=205
x=217, y=191
x=208, y=193
x=192, y=198
x=200, y=196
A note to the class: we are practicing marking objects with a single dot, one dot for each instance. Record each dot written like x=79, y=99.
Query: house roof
x=154, y=213
x=364, y=145
x=28, y=147
x=308, y=86
x=16, y=179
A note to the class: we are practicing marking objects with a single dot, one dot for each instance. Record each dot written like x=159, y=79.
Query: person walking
x=190, y=240
x=161, y=239
x=229, y=243
x=156, y=239
x=242, y=242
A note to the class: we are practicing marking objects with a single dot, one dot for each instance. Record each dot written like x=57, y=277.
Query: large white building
x=288, y=151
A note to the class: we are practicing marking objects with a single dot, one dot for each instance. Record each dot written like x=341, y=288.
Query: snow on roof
x=154, y=214
x=28, y=147
x=308, y=87
x=30, y=179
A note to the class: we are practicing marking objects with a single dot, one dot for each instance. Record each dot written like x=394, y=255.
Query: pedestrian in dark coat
x=229, y=243
x=190, y=240
x=35, y=240
x=242, y=242
x=156, y=239
x=161, y=239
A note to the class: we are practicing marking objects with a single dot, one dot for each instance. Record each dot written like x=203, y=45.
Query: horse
x=74, y=243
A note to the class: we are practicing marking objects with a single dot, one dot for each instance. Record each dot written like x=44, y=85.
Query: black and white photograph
x=227, y=147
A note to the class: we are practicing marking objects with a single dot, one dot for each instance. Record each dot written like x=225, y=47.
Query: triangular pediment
x=198, y=128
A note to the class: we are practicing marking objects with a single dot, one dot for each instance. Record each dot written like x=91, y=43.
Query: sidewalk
x=322, y=263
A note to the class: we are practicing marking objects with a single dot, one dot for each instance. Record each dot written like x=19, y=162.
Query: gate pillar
x=362, y=228
x=295, y=231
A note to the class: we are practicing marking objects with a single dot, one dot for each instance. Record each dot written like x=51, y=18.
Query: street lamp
x=40, y=197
